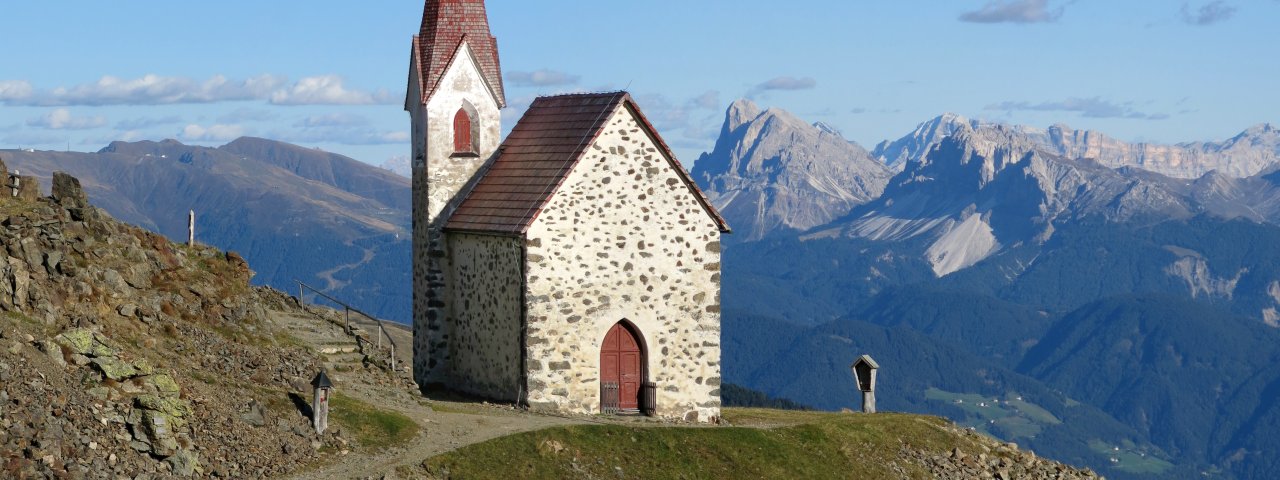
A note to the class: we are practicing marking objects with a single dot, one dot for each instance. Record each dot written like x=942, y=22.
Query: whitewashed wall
x=624, y=238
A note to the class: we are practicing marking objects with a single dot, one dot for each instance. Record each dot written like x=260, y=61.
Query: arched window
x=464, y=133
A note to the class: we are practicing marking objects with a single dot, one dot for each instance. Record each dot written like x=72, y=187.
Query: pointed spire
x=321, y=381
x=446, y=24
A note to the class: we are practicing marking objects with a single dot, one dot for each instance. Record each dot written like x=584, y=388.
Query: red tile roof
x=445, y=25
x=539, y=154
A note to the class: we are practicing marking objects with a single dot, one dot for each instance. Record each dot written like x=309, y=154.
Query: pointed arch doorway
x=622, y=361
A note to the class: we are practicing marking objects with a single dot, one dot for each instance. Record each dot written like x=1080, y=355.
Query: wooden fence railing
x=347, y=310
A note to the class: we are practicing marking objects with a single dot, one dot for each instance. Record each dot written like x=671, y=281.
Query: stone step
x=347, y=357
x=331, y=349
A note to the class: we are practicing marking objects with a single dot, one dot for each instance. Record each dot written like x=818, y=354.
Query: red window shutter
x=462, y=133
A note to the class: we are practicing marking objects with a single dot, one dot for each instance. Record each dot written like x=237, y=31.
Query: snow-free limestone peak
x=772, y=172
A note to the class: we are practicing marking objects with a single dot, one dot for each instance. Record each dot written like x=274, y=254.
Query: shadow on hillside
x=301, y=404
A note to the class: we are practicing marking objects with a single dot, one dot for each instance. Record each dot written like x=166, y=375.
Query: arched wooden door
x=621, y=361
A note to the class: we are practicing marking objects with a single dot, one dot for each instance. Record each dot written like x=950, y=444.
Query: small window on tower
x=465, y=138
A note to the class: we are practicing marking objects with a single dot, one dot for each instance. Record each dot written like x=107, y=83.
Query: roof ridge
x=587, y=94
x=538, y=155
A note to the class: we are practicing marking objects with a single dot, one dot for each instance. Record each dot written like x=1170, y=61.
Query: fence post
x=347, y=312
x=301, y=301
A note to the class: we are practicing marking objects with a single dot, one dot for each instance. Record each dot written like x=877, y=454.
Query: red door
x=620, y=361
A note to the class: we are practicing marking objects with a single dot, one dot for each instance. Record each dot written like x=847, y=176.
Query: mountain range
x=1253, y=151
x=1111, y=304
x=1108, y=303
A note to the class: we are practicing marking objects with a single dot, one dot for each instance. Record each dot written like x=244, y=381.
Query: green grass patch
x=1012, y=417
x=372, y=427
x=798, y=445
x=975, y=405
x=1033, y=411
x=1128, y=459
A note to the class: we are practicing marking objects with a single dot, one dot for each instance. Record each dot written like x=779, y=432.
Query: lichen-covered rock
x=174, y=407
x=115, y=368
x=164, y=384
x=156, y=430
x=185, y=463
x=87, y=342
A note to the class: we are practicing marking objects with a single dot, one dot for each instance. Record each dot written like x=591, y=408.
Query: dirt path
x=443, y=425
x=334, y=284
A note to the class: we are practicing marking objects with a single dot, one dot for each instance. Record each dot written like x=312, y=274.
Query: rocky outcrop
x=126, y=355
x=771, y=172
x=993, y=460
x=258, y=197
x=67, y=191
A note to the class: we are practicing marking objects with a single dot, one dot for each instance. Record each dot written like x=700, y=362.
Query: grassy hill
x=760, y=444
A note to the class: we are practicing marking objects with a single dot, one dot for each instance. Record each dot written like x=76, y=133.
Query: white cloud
x=783, y=83
x=161, y=90
x=126, y=136
x=62, y=119
x=1214, y=12
x=542, y=78
x=326, y=90
x=212, y=133
x=242, y=114
x=709, y=100
x=342, y=136
x=1093, y=107
x=11, y=90
x=333, y=120
x=1014, y=11
x=152, y=90
x=27, y=137
x=145, y=122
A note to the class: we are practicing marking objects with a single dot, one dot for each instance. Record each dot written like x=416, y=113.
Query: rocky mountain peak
x=916, y=144
x=141, y=147
x=827, y=128
x=771, y=171
x=1260, y=129
x=741, y=112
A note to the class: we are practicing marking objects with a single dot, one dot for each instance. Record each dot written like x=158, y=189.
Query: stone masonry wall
x=624, y=238
x=485, y=322
x=438, y=177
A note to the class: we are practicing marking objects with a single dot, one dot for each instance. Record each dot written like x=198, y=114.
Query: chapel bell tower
x=454, y=98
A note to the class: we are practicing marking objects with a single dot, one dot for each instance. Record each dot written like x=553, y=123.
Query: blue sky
x=332, y=74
